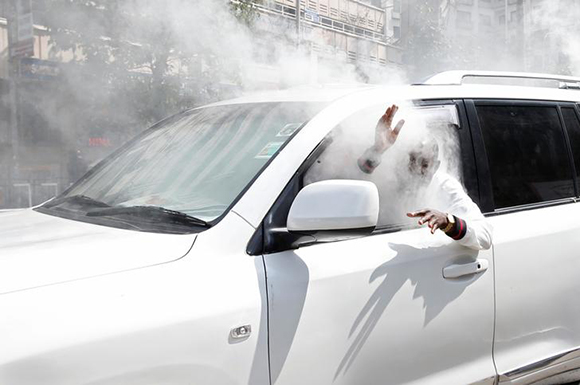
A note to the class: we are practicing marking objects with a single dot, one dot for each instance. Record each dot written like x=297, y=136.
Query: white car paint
x=335, y=205
x=378, y=310
x=537, y=285
x=169, y=323
x=88, y=304
x=38, y=249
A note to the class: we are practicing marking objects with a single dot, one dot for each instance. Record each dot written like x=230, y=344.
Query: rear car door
x=376, y=309
x=529, y=190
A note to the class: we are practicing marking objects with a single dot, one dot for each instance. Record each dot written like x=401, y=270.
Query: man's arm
x=385, y=137
x=465, y=223
x=475, y=233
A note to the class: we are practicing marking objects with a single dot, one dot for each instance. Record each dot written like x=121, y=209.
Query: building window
x=514, y=16
x=397, y=6
x=485, y=20
x=463, y=19
x=396, y=32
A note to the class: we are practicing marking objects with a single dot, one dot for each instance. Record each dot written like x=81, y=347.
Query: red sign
x=99, y=142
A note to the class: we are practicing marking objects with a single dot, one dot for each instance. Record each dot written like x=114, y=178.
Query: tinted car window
x=573, y=128
x=527, y=154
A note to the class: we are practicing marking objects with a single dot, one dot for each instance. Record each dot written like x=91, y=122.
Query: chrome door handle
x=456, y=271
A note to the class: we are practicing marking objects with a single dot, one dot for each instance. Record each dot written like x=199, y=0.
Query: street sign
x=21, y=30
x=39, y=69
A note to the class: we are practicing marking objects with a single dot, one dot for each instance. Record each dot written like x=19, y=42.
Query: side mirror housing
x=335, y=206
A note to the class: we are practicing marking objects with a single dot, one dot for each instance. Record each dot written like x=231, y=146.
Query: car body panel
x=377, y=309
x=537, y=285
x=171, y=321
x=40, y=249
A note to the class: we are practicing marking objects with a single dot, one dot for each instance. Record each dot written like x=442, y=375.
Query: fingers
x=427, y=218
x=385, y=122
x=385, y=118
x=388, y=112
x=433, y=220
x=419, y=213
x=391, y=111
x=434, y=228
x=430, y=217
x=398, y=127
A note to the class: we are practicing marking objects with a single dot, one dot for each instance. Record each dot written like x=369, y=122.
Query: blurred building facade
x=33, y=160
x=363, y=33
x=492, y=30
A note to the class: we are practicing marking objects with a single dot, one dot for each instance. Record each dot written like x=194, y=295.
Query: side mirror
x=335, y=206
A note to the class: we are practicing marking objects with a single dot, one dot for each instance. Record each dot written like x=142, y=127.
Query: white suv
x=196, y=255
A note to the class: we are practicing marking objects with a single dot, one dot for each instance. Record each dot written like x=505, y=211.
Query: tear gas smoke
x=128, y=64
x=401, y=190
x=556, y=36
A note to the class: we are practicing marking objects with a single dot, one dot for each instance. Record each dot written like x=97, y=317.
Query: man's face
x=423, y=163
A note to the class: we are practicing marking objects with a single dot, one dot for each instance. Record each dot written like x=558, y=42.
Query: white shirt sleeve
x=479, y=232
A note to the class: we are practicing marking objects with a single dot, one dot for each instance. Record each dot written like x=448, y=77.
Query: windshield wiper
x=150, y=212
x=80, y=200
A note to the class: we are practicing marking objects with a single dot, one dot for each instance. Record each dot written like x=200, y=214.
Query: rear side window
x=573, y=128
x=527, y=154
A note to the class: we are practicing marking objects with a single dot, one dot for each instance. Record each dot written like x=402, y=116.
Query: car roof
x=330, y=93
x=307, y=93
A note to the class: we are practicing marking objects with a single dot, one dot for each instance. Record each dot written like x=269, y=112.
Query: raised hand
x=385, y=136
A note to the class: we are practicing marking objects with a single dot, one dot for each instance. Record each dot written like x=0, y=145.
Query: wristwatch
x=450, y=223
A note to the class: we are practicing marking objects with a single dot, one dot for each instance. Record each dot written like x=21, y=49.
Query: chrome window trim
x=531, y=206
x=543, y=365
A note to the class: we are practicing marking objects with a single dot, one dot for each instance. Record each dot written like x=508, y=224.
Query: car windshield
x=196, y=164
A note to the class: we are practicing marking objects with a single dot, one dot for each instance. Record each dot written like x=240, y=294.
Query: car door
x=525, y=162
x=375, y=309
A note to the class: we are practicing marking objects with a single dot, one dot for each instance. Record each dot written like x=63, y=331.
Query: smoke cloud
x=555, y=43
x=401, y=190
x=125, y=65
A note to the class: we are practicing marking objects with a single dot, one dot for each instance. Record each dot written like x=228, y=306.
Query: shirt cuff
x=369, y=161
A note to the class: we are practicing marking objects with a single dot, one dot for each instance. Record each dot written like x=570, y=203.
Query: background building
x=33, y=160
x=360, y=33
x=490, y=33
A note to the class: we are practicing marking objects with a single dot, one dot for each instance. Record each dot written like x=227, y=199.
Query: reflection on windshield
x=199, y=163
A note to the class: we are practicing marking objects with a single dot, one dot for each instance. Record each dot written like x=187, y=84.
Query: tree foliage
x=134, y=62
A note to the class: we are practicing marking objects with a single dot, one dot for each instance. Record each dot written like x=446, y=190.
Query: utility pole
x=20, y=44
x=297, y=23
x=506, y=24
x=12, y=100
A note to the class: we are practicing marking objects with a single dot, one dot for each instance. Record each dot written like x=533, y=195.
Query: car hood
x=38, y=249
